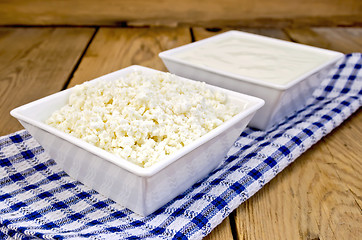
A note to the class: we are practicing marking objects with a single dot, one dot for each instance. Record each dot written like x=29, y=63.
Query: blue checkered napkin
x=39, y=200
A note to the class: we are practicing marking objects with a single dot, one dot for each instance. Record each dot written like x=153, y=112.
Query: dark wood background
x=208, y=13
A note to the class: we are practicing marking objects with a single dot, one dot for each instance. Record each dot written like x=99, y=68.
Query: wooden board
x=319, y=195
x=35, y=62
x=346, y=40
x=190, y=12
x=201, y=33
x=311, y=198
x=113, y=49
x=221, y=232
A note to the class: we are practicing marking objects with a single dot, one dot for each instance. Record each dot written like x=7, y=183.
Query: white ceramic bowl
x=216, y=61
x=142, y=190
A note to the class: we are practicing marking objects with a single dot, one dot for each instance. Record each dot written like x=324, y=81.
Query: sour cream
x=256, y=59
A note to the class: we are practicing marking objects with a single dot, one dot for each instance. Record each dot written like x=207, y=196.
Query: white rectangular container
x=281, y=99
x=143, y=190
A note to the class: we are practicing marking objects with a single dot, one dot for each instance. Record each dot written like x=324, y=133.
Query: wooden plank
x=346, y=40
x=201, y=13
x=35, y=62
x=116, y=48
x=345, y=147
x=349, y=162
x=201, y=33
x=221, y=232
x=311, y=199
x=318, y=196
x=339, y=157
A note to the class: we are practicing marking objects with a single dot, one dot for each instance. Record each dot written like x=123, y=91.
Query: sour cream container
x=282, y=73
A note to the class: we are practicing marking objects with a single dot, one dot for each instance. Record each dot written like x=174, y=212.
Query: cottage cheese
x=143, y=118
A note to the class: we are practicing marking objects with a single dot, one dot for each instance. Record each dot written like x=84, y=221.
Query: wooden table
x=319, y=196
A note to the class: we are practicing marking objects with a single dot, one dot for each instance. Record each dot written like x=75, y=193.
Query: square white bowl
x=281, y=99
x=143, y=190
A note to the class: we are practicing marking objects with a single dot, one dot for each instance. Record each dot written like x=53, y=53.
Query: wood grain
x=34, y=63
x=221, y=232
x=173, y=12
x=311, y=198
x=346, y=40
x=201, y=33
x=319, y=195
x=348, y=165
x=113, y=49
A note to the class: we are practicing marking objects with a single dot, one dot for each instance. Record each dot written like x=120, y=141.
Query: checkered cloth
x=39, y=200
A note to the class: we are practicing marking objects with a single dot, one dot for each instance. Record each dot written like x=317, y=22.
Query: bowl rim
x=255, y=104
x=168, y=55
